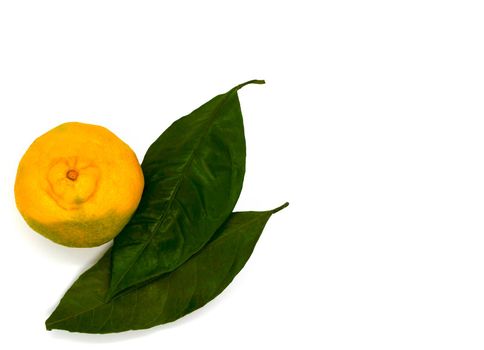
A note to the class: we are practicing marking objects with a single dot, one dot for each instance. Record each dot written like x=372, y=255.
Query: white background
x=370, y=125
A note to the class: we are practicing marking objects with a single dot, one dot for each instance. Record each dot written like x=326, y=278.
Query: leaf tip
x=254, y=81
x=273, y=211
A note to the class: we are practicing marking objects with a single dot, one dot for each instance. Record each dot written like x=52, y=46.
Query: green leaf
x=204, y=276
x=193, y=177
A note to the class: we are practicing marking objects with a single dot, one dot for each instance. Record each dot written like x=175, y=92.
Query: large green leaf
x=193, y=177
x=205, y=275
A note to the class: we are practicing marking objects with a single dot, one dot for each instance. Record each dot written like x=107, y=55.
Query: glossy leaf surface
x=193, y=177
x=205, y=275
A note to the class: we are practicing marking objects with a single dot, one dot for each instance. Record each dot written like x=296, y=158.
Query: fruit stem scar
x=72, y=175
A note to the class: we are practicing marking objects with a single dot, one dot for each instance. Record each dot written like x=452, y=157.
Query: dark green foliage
x=169, y=297
x=183, y=246
x=193, y=177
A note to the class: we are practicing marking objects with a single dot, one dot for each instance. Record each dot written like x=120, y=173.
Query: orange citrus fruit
x=78, y=185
